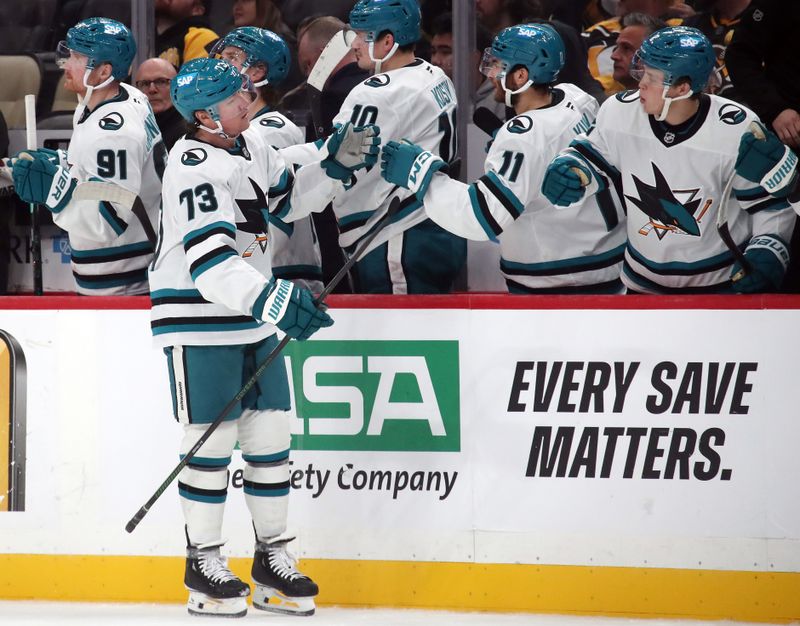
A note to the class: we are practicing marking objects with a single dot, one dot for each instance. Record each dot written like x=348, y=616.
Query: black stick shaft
x=134, y=521
x=36, y=251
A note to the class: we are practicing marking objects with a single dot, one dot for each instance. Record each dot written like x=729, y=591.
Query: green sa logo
x=375, y=395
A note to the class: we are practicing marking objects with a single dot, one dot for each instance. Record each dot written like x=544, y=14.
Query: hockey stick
x=332, y=54
x=134, y=521
x=722, y=217
x=36, y=239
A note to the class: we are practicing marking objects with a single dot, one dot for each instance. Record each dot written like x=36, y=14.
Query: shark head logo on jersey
x=520, y=124
x=112, y=121
x=731, y=114
x=381, y=80
x=194, y=156
x=666, y=212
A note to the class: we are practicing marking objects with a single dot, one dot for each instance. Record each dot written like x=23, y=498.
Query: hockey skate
x=213, y=588
x=280, y=588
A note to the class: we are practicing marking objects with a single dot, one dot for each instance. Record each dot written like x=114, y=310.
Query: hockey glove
x=56, y=157
x=763, y=159
x=6, y=177
x=291, y=308
x=350, y=148
x=563, y=184
x=39, y=181
x=769, y=258
x=407, y=165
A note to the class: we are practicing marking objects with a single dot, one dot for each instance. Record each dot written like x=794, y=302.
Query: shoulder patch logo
x=520, y=124
x=731, y=114
x=381, y=80
x=272, y=122
x=194, y=156
x=112, y=121
x=631, y=95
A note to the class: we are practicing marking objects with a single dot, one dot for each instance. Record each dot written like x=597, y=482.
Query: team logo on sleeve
x=731, y=114
x=669, y=210
x=112, y=121
x=194, y=156
x=381, y=80
x=272, y=122
x=520, y=124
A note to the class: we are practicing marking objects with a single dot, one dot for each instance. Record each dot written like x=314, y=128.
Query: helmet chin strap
x=379, y=62
x=513, y=92
x=668, y=101
x=84, y=102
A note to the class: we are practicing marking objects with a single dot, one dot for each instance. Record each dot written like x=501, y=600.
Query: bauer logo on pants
x=376, y=395
x=12, y=424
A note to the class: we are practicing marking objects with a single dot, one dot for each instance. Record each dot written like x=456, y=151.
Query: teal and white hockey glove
x=769, y=257
x=39, y=181
x=765, y=160
x=351, y=148
x=56, y=157
x=565, y=180
x=407, y=165
x=291, y=308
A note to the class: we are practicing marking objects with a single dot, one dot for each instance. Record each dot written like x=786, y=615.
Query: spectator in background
x=601, y=38
x=442, y=56
x=765, y=68
x=636, y=27
x=182, y=30
x=295, y=12
x=717, y=20
x=263, y=14
x=152, y=79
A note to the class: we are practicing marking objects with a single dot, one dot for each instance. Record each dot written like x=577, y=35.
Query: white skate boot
x=280, y=588
x=213, y=588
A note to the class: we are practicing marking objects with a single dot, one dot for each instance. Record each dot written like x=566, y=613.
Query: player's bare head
x=214, y=96
x=523, y=56
x=671, y=65
x=313, y=36
x=383, y=27
x=96, y=52
x=153, y=78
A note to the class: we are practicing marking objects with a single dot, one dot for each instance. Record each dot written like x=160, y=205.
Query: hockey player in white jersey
x=215, y=309
x=115, y=139
x=408, y=98
x=542, y=250
x=671, y=150
x=265, y=58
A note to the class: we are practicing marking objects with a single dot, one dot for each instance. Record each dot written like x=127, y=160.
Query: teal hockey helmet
x=537, y=47
x=402, y=18
x=680, y=52
x=102, y=40
x=260, y=46
x=202, y=84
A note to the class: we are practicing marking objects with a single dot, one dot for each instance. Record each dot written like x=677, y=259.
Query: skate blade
x=205, y=606
x=272, y=600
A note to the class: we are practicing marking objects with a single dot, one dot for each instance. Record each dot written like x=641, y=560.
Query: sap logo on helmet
x=194, y=156
x=520, y=124
x=112, y=121
x=381, y=80
x=731, y=114
x=690, y=42
x=112, y=29
x=527, y=32
x=186, y=80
